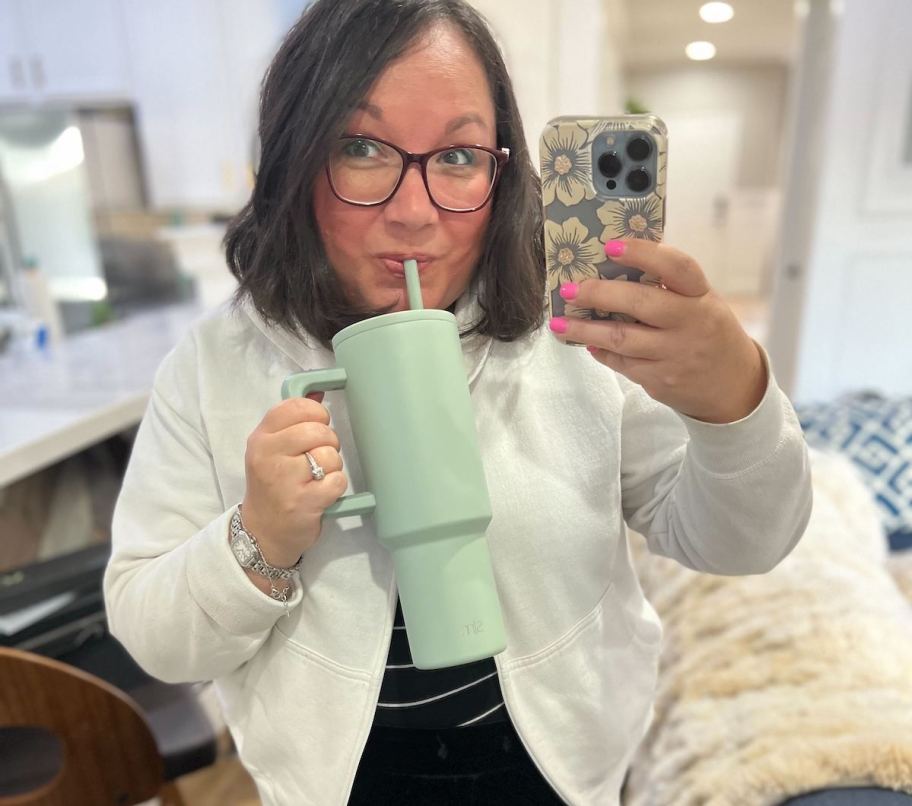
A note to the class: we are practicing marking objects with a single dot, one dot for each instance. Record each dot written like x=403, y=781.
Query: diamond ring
x=315, y=470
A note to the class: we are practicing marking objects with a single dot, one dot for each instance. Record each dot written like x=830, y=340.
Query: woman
x=675, y=427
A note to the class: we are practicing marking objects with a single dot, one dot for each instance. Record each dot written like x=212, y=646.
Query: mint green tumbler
x=412, y=420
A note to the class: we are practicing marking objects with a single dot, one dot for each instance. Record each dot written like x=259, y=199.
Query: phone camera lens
x=639, y=149
x=638, y=180
x=609, y=164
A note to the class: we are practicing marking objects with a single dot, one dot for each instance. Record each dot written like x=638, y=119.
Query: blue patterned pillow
x=876, y=434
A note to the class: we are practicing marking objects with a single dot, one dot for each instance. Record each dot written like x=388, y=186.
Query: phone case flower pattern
x=578, y=222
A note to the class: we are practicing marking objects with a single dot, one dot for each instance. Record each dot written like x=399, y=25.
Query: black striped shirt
x=436, y=698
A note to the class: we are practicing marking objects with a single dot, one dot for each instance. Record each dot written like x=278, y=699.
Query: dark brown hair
x=327, y=64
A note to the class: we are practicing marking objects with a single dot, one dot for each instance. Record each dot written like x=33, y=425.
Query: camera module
x=638, y=180
x=609, y=164
x=639, y=149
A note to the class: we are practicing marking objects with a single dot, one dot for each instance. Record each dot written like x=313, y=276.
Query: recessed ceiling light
x=716, y=12
x=700, y=51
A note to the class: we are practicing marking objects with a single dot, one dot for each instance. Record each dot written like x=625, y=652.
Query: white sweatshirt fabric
x=571, y=452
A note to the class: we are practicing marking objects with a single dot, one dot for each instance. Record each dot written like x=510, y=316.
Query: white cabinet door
x=196, y=72
x=76, y=49
x=13, y=83
x=182, y=100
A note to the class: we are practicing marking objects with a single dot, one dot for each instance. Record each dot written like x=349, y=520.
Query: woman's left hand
x=687, y=348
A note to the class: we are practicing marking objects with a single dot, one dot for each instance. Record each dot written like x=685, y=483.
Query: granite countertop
x=88, y=387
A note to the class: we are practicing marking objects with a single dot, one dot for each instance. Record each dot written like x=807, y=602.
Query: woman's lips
x=395, y=265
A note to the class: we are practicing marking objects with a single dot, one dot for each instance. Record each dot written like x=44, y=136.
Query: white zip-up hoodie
x=571, y=450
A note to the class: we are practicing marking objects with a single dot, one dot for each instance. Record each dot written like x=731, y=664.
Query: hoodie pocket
x=296, y=718
x=583, y=704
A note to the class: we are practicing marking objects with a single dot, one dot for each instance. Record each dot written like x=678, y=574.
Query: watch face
x=244, y=550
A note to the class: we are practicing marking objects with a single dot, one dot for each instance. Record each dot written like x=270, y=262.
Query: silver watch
x=247, y=552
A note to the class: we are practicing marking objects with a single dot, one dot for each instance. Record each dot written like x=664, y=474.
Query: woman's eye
x=361, y=148
x=458, y=156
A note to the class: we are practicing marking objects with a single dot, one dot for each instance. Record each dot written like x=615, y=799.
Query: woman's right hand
x=283, y=504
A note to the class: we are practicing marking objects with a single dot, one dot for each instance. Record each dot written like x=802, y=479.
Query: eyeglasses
x=459, y=178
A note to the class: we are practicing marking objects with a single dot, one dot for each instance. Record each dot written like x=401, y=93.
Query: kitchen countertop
x=88, y=387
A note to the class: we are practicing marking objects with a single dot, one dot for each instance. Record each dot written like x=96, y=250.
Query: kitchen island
x=91, y=385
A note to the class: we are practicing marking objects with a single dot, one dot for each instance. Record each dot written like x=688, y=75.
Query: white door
x=702, y=162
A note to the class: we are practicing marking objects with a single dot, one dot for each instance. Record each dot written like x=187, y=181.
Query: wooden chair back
x=109, y=753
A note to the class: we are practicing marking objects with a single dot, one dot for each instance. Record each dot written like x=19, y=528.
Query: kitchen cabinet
x=197, y=69
x=191, y=70
x=91, y=385
x=60, y=50
x=13, y=84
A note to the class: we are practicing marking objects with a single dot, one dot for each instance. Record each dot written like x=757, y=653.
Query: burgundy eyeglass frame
x=501, y=155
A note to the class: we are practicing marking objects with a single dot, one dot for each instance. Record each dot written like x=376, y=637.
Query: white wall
x=724, y=169
x=754, y=95
x=613, y=91
x=843, y=301
x=561, y=55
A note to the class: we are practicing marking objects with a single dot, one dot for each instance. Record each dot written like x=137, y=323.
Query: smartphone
x=603, y=178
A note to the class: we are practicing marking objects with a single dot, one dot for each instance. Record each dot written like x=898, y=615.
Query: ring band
x=316, y=471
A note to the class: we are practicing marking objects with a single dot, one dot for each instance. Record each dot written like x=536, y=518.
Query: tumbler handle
x=327, y=380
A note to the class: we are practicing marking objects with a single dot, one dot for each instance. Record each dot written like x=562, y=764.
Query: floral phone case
x=582, y=209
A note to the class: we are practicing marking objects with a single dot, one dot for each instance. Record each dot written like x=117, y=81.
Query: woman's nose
x=411, y=205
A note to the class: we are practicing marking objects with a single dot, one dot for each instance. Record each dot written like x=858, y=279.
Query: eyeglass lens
x=365, y=171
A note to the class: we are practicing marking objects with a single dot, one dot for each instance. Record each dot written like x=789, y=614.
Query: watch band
x=260, y=565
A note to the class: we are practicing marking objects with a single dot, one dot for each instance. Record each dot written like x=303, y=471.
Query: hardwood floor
x=226, y=783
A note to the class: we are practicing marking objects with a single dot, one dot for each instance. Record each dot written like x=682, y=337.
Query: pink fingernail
x=592, y=349
x=558, y=324
x=569, y=290
x=615, y=248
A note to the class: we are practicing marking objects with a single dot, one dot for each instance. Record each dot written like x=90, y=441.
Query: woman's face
x=434, y=96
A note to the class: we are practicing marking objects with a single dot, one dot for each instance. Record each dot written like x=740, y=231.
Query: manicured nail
x=615, y=248
x=569, y=290
x=558, y=324
x=592, y=349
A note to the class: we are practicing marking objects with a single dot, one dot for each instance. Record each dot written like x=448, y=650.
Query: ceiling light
x=716, y=12
x=700, y=51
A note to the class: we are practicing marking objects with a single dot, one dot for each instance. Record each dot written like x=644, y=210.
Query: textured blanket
x=788, y=682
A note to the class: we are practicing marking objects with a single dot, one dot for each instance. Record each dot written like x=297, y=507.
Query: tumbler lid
x=387, y=319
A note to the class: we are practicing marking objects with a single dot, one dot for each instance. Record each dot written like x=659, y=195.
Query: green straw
x=413, y=282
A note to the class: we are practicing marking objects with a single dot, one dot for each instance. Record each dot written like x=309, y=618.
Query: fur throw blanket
x=796, y=680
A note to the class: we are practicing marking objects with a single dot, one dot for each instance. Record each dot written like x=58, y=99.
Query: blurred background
x=128, y=139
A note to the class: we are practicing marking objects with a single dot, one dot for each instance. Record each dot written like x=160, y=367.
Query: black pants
x=480, y=765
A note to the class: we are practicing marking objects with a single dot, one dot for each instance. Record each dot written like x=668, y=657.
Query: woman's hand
x=283, y=504
x=687, y=349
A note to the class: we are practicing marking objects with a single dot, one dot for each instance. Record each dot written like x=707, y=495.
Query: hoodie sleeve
x=175, y=595
x=724, y=499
